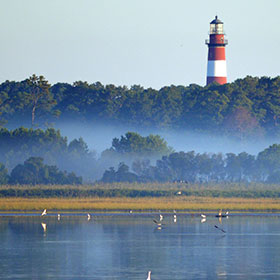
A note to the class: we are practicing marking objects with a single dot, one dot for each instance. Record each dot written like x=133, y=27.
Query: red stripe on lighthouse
x=217, y=53
x=219, y=80
x=217, y=39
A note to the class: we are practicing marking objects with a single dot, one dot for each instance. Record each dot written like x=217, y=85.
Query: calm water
x=128, y=246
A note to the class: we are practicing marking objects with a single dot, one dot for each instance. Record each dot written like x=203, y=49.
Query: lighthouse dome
x=216, y=21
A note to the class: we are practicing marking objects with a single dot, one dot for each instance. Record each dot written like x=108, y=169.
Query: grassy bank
x=137, y=190
x=142, y=197
x=191, y=204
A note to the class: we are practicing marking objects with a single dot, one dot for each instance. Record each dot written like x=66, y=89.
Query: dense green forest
x=35, y=156
x=246, y=108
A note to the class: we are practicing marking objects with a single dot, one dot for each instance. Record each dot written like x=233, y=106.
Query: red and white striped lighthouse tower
x=216, y=68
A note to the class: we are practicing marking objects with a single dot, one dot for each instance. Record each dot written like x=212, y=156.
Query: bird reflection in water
x=44, y=226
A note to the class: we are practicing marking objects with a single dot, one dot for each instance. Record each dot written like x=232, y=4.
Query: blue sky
x=153, y=43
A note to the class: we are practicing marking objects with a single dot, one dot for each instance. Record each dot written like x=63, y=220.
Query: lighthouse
x=216, y=68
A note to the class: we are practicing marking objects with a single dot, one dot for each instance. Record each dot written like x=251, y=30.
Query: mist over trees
x=35, y=156
x=191, y=167
x=246, y=108
x=134, y=147
x=18, y=145
x=35, y=172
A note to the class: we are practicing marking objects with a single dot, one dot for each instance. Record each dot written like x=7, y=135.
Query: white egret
x=44, y=212
x=203, y=216
x=160, y=217
x=88, y=217
x=175, y=216
x=149, y=275
x=58, y=217
x=203, y=220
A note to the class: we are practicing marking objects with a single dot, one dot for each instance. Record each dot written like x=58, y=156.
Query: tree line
x=191, y=167
x=19, y=145
x=244, y=108
x=33, y=171
x=36, y=156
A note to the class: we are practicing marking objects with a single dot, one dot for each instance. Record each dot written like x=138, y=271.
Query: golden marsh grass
x=190, y=203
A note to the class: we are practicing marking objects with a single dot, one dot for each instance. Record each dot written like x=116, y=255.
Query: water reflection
x=128, y=246
x=44, y=226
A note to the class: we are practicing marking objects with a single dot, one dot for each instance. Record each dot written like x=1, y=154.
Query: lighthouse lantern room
x=216, y=68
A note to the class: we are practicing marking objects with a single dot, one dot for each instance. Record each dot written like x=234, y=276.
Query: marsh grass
x=187, y=204
x=141, y=197
x=143, y=190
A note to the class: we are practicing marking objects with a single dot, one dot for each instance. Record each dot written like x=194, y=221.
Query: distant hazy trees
x=131, y=158
x=246, y=108
x=121, y=175
x=129, y=148
x=3, y=174
x=133, y=143
x=16, y=146
x=33, y=171
x=205, y=168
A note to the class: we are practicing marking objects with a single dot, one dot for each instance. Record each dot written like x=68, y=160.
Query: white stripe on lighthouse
x=216, y=68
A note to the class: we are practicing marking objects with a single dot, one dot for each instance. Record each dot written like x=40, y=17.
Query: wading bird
x=149, y=275
x=203, y=218
x=58, y=217
x=221, y=215
x=175, y=216
x=88, y=217
x=44, y=212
